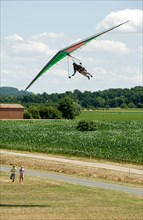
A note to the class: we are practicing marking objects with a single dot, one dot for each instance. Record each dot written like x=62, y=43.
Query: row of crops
x=113, y=140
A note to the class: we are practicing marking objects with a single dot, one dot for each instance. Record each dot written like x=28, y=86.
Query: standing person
x=13, y=173
x=21, y=174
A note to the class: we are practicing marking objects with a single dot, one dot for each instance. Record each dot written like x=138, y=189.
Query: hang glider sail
x=61, y=54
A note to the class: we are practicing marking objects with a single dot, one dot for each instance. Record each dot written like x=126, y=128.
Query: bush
x=123, y=105
x=42, y=112
x=49, y=113
x=27, y=115
x=86, y=125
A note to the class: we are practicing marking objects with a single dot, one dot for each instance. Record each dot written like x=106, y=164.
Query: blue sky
x=33, y=31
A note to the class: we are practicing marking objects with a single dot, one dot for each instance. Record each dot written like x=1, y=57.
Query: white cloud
x=13, y=38
x=130, y=74
x=17, y=46
x=48, y=36
x=31, y=47
x=123, y=77
x=14, y=75
x=100, y=73
x=111, y=46
x=130, y=71
x=134, y=16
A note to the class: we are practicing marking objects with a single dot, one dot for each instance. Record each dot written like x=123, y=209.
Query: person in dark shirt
x=81, y=70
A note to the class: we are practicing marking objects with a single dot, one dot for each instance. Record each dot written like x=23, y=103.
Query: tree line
x=111, y=98
x=65, y=108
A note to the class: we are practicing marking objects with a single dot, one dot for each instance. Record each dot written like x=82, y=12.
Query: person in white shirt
x=21, y=174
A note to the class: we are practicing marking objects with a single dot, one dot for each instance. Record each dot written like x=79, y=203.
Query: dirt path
x=77, y=162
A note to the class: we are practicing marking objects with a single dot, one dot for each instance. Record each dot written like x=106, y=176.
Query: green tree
x=68, y=108
x=34, y=112
x=131, y=105
x=99, y=102
x=140, y=105
x=124, y=105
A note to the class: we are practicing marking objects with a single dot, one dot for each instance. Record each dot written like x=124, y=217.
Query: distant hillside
x=10, y=91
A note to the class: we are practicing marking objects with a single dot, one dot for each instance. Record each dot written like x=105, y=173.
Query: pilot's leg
x=85, y=73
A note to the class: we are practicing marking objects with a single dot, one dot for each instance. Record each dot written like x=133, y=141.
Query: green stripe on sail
x=55, y=60
x=59, y=56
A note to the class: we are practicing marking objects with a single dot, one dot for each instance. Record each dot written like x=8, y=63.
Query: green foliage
x=49, y=112
x=10, y=91
x=111, y=98
x=78, y=108
x=123, y=105
x=34, y=112
x=42, y=112
x=27, y=115
x=131, y=105
x=86, y=125
x=68, y=108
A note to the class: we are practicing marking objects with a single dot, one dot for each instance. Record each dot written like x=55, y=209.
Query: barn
x=11, y=111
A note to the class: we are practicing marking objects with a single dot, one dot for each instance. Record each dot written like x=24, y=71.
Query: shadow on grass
x=27, y=206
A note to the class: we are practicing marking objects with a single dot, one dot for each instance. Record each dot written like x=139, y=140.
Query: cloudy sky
x=33, y=31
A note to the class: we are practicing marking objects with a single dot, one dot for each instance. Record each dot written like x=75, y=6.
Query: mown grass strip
x=48, y=199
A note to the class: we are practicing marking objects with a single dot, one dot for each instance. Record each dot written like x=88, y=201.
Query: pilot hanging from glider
x=81, y=70
x=66, y=52
x=77, y=67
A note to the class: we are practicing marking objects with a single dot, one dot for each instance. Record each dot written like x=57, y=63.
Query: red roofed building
x=11, y=111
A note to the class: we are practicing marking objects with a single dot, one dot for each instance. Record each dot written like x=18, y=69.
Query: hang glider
x=61, y=54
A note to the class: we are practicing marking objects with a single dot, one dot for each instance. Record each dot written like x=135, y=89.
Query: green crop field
x=118, y=140
x=113, y=114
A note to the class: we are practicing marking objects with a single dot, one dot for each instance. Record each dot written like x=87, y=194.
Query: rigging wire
x=68, y=66
x=74, y=59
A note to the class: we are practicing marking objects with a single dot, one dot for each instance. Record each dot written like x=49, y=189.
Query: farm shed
x=11, y=111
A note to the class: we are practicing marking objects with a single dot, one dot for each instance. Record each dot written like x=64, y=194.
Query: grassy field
x=113, y=114
x=118, y=138
x=119, y=141
x=51, y=200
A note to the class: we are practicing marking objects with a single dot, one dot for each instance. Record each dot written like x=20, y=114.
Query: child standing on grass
x=21, y=174
x=13, y=173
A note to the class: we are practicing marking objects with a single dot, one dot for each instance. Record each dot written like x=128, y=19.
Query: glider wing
x=68, y=50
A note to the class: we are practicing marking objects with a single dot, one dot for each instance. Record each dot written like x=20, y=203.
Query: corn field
x=113, y=140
